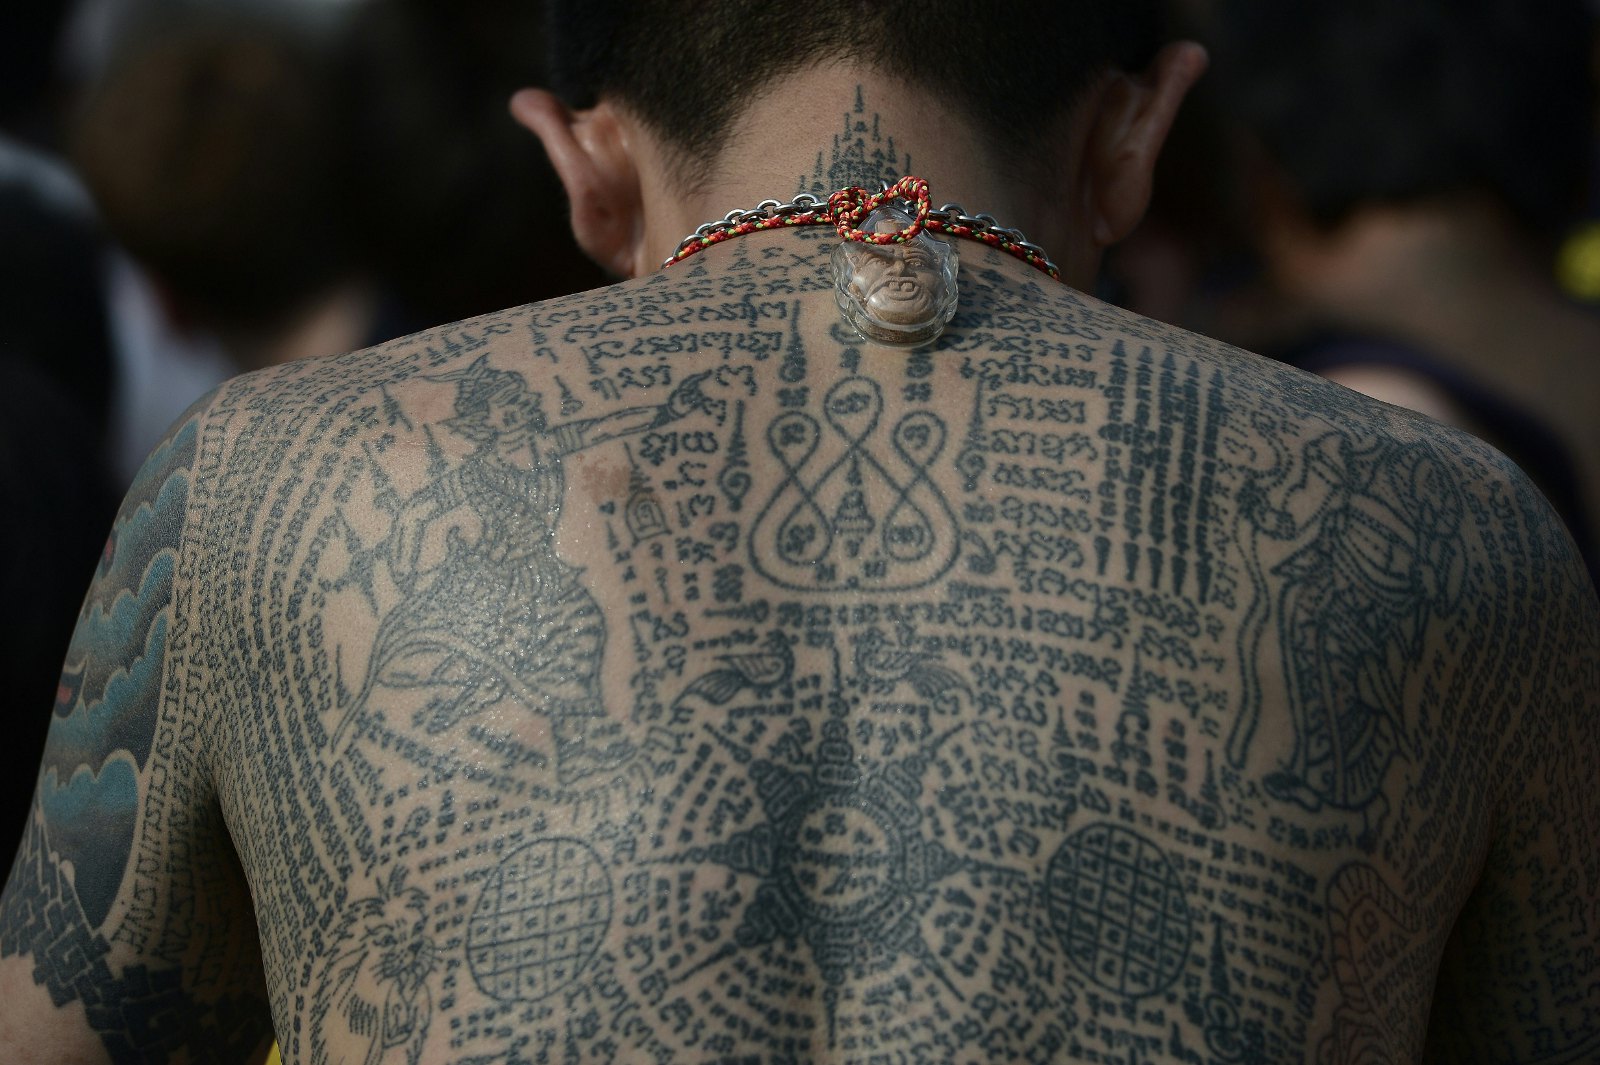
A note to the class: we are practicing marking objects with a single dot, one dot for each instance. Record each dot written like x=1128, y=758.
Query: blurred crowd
x=1402, y=197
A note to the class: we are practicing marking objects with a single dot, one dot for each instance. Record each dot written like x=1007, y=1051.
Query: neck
x=827, y=128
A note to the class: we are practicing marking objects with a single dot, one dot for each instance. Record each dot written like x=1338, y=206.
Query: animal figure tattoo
x=373, y=993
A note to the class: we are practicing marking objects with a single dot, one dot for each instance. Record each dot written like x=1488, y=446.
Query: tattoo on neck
x=862, y=154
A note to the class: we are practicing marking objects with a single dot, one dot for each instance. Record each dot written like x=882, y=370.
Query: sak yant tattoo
x=665, y=674
x=111, y=765
x=488, y=612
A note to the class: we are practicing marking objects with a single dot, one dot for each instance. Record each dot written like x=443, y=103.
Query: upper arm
x=1520, y=979
x=124, y=905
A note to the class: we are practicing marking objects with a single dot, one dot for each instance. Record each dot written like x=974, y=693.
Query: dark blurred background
x=1402, y=197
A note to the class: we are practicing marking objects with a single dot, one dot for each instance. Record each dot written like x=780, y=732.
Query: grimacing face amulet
x=894, y=281
x=901, y=294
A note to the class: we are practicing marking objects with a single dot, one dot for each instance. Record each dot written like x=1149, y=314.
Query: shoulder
x=123, y=832
x=1304, y=462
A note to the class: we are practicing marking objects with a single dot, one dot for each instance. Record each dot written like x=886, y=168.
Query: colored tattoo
x=111, y=766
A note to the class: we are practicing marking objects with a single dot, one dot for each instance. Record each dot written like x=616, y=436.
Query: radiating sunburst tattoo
x=842, y=860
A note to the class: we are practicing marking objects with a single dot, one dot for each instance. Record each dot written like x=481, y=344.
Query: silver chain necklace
x=893, y=281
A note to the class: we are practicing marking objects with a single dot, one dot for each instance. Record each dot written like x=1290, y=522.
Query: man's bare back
x=1076, y=687
x=665, y=673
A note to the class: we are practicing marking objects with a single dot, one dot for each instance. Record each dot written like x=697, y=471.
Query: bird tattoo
x=756, y=671
x=883, y=666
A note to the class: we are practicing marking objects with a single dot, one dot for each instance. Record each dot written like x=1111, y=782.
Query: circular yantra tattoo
x=539, y=920
x=1119, y=910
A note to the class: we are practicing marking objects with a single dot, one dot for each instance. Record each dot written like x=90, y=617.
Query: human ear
x=1133, y=116
x=590, y=153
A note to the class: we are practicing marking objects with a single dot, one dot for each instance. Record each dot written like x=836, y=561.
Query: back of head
x=687, y=67
x=1372, y=101
x=209, y=148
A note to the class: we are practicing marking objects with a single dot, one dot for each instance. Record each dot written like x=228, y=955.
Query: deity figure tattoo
x=1356, y=599
x=501, y=616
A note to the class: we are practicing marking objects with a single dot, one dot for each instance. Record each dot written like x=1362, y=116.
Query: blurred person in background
x=211, y=145
x=1409, y=171
x=292, y=184
x=450, y=201
x=55, y=391
x=205, y=133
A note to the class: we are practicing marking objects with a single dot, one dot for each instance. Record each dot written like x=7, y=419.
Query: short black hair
x=686, y=67
x=1373, y=101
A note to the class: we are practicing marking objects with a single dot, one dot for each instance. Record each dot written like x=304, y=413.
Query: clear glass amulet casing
x=897, y=294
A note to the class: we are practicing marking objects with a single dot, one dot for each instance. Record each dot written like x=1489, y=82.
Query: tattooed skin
x=666, y=674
